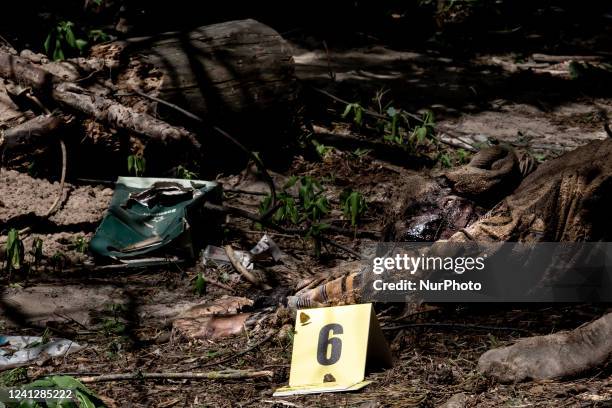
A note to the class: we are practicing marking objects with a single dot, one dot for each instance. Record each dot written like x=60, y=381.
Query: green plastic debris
x=157, y=216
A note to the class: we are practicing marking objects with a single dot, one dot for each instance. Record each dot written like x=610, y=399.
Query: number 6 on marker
x=326, y=342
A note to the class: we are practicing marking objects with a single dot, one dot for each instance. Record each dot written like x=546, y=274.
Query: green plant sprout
x=353, y=205
x=61, y=36
x=357, y=110
x=184, y=173
x=200, y=284
x=14, y=251
x=309, y=207
x=136, y=164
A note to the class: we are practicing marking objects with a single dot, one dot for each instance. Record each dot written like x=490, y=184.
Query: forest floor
x=122, y=317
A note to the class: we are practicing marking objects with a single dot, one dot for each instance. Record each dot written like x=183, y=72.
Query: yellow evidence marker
x=331, y=348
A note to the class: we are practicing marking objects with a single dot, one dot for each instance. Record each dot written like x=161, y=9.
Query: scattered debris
x=248, y=275
x=17, y=351
x=220, y=318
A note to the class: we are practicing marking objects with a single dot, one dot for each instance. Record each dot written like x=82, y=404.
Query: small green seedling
x=309, y=207
x=80, y=244
x=357, y=110
x=58, y=260
x=14, y=251
x=360, y=152
x=462, y=156
x=37, y=251
x=98, y=35
x=353, y=205
x=426, y=129
x=445, y=160
x=60, y=37
x=184, y=173
x=200, y=285
x=322, y=150
x=394, y=134
x=136, y=164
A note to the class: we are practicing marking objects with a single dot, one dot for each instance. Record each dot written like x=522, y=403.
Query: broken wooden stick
x=209, y=375
x=244, y=271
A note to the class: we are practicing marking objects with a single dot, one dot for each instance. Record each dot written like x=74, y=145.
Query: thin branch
x=210, y=375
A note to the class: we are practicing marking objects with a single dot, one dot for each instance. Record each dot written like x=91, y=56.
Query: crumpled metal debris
x=17, y=351
x=246, y=258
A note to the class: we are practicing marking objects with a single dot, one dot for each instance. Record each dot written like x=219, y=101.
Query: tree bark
x=33, y=131
x=236, y=66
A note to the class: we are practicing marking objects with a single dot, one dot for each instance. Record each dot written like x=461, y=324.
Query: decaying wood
x=232, y=68
x=120, y=116
x=210, y=375
x=30, y=132
x=103, y=109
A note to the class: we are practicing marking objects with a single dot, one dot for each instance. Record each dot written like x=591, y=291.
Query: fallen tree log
x=237, y=69
x=30, y=132
x=238, y=74
x=118, y=115
x=101, y=108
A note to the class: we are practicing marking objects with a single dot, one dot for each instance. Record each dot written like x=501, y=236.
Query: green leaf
x=80, y=44
x=421, y=133
x=66, y=381
x=47, y=43
x=130, y=163
x=200, y=285
x=358, y=115
x=291, y=182
x=84, y=401
x=42, y=383
x=348, y=109
x=70, y=38
x=58, y=53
